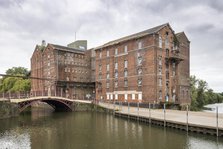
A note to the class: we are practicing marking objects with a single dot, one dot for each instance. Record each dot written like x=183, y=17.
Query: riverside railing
x=186, y=119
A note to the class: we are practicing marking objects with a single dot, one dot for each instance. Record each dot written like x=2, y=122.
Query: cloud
x=24, y=23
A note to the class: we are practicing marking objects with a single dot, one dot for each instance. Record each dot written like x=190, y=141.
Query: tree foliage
x=15, y=84
x=202, y=95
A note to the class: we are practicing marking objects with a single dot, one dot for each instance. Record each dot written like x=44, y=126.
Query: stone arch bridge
x=58, y=103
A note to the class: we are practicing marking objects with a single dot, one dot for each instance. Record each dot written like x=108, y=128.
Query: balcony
x=174, y=55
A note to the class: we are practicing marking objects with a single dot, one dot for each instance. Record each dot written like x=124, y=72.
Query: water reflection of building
x=69, y=69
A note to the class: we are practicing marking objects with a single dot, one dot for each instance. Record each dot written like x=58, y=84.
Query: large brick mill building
x=149, y=66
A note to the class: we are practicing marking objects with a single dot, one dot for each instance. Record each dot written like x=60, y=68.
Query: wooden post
x=217, y=121
x=149, y=113
x=187, y=118
x=164, y=112
x=138, y=109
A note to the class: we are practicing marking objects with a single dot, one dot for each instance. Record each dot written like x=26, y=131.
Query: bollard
x=187, y=118
x=164, y=112
x=217, y=121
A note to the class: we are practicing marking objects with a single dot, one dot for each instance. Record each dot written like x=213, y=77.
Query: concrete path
x=203, y=119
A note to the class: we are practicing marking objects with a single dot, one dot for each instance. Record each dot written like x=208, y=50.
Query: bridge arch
x=57, y=104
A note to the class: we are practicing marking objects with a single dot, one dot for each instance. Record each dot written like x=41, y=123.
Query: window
x=100, y=54
x=116, y=51
x=107, y=96
x=167, y=41
x=100, y=67
x=160, y=60
x=116, y=65
x=140, y=96
x=126, y=83
x=48, y=64
x=160, y=95
x=116, y=96
x=140, y=60
x=139, y=82
x=160, y=41
x=99, y=76
x=116, y=74
x=160, y=70
x=107, y=84
x=160, y=81
x=126, y=96
x=125, y=73
x=133, y=96
x=174, y=69
x=140, y=45
x=111, y=96
x=140, y=71
x=107, y=53
x=126, y=49
x=107, y=67
x=107, y=76
x=116, y=84
x=126, y=63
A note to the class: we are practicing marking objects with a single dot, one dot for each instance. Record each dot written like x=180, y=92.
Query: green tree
x=15, y=84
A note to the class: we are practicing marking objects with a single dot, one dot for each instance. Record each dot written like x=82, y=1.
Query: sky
x=25, y=23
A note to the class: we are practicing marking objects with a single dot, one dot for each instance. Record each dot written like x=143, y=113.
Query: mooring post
x=128, y=109
x=187, y=118
x=217, y=121
x=149, y=113
x=164, y=111
x=138, y=109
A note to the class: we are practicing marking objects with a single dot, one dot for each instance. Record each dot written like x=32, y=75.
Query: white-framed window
x=111, y=96
x=116, y=84
x=107, y=67
x=116, y=74
x=107, y=84
x=126, y=83
x=116, y=96
x=116, y=65
x=160, y=41
x=160, y=60
x=107, y=96
x=125, y=63
x=133, y=96
x=160, y=70
x=100, y=67
x=126, y=49
x=140, y=45
x=107, y=53
x=99, y=76
x=139, y=82
x=108, y=76
x=116, y=51
x=100, y=54
x=160, y=95
x=140, y=71
x=140, y=96
x=125, y=73
x=160, y=81
x=140, y=60
x=126, y=96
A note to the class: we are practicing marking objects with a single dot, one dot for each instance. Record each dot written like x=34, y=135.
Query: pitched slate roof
x=133, y=36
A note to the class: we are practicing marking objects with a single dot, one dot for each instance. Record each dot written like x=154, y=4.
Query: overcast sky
x=25, y=23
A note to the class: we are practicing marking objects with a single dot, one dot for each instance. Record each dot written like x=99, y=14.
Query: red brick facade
x=150, y=66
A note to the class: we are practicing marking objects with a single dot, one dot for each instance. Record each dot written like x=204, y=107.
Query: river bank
x=8, y=110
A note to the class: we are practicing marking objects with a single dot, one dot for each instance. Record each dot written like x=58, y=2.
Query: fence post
x=217, y=121
x=164, y=112
x=187, y=118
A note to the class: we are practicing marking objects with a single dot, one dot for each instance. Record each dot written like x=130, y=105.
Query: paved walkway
x=204, y=119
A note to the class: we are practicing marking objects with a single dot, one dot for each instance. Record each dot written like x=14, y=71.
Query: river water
x=43, y=129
